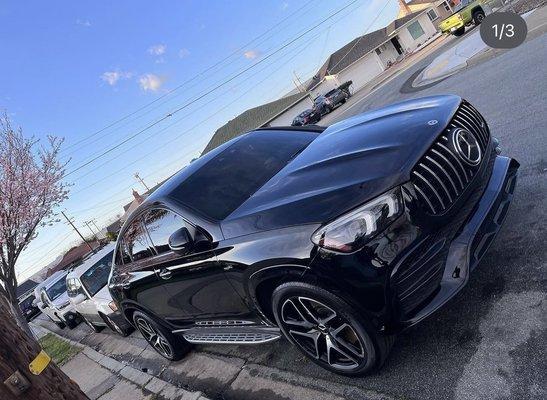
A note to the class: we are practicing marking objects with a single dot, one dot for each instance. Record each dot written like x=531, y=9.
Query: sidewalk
x=103, y=378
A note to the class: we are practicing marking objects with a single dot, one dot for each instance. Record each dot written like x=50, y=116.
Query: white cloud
x=251, y=54
x=284, y=5
x=83, y=22
x=112, y=77
x=150, y=82
x=184, y=53
x=157, y=49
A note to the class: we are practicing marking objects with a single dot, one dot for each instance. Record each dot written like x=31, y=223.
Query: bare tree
x=31, y=187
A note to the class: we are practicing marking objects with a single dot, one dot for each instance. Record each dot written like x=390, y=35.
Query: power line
x=188, y=103
x=218, y=63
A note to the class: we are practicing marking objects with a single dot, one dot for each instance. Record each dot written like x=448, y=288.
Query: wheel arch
x=477, y=9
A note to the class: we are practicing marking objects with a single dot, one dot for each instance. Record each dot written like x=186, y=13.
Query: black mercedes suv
x=334, y=238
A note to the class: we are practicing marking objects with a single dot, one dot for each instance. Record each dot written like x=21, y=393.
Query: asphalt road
x=489, y=342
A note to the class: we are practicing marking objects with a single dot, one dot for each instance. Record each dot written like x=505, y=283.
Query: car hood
x=62, y=299
x=103, y=295
x=348, y=164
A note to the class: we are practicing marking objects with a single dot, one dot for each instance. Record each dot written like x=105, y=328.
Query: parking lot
x=488, y=342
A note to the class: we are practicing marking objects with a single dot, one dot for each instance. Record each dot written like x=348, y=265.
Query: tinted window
x=96, y=277
x=26, y=303
x=57, y=289
x=135, y=243
x=160, y=224
x=230, y=178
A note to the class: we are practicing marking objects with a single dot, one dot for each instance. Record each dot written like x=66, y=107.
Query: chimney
x=137, y=196
x=403, y=9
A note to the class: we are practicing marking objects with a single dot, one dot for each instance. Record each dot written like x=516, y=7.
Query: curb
x=142, y=379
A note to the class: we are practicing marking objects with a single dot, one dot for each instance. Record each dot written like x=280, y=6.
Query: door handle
x=165, y=274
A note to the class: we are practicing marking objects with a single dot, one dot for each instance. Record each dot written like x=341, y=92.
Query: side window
x=135, y=242
x=160, y=224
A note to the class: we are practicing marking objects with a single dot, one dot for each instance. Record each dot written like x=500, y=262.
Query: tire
x=459, y=32
x=162, y=340
x=115, y=327
x=94, y=328
x=329, y=331
x=60, y=325
x=343, y=101
x=478, y=17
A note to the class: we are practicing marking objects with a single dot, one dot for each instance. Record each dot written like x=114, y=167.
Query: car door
x=195, y=280
x=137, y=273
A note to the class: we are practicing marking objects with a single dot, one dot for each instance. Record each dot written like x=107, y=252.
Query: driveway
x=489, y=342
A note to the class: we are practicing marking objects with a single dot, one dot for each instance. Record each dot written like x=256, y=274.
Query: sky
x=99, y=73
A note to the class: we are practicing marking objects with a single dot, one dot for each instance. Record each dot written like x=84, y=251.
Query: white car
x=87, y=287
x=54, y=302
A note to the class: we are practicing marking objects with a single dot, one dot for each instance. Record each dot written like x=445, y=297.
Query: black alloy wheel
x=327, y=330
x=164, y=342
x=459, y=32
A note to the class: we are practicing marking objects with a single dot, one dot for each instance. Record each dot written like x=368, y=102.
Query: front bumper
x=474, y=238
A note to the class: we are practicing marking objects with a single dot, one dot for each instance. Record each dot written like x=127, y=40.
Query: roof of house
x=73, y=255
x=252, y=119
x=25, y=287
x=357, y=48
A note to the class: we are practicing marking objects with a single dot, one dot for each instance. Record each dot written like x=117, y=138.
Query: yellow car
x=465, y=13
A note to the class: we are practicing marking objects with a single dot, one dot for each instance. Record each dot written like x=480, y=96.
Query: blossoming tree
x=31, y=187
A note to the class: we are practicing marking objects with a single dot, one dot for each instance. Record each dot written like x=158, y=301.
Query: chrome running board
x=231, y=335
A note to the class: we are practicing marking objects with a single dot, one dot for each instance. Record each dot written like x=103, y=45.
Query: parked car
x=88, y=292
x=335, y=238
x=54, y=301
x=465, y=13
x=328, y=102
x=307, y=117
x=28, y=307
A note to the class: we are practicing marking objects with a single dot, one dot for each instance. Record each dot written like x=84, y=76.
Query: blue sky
x=72, y=68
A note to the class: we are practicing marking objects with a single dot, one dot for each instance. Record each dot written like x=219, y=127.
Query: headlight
x=352, y=230
x=113, y=306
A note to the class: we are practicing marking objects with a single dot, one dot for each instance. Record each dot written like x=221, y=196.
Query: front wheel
x=93, y=327
x=478, y=17
x=328, y=330
x=161, y=339
x=459, y=32
x=115, y=327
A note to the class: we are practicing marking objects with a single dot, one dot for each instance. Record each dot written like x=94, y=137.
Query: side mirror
x=78, y=299
x=180, y=241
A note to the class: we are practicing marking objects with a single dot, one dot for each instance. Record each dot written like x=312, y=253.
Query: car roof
x=90, y=261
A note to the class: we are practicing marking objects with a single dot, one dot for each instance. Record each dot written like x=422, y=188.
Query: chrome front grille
x=443, y=174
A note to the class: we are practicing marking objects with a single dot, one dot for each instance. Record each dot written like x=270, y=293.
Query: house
x=73, y=256
x=276, y=113
x=436, y=10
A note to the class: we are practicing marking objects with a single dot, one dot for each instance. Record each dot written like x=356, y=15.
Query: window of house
x=160, y=224
x=432, y=15
x=135, y=242
x=415, y=30
x=446, y=6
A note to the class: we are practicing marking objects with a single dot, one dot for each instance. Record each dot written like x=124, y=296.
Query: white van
x=87, y=287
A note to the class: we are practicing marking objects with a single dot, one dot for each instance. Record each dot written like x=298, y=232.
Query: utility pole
x=89, y=227
x=298, y=85
x=141, y=181
x=77, y=231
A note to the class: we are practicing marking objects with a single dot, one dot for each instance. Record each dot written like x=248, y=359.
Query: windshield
x=26, y=303
x=96, y=277
x=319, y=100
x=234, y=175
x=57, y=289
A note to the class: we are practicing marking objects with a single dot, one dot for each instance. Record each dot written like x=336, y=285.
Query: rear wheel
x=460, y=31
x=60, y=325
x=328, y=330
x=478, y=17
x=162, y=340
